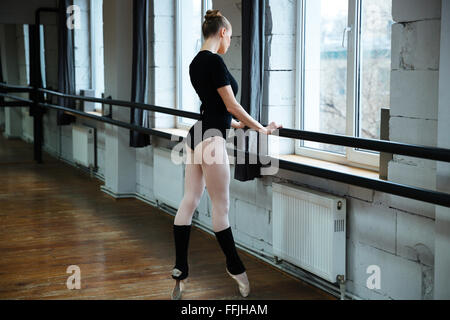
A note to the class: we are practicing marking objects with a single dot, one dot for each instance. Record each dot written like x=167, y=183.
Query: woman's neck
x=211, y=44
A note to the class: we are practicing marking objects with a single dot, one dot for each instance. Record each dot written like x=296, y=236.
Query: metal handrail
x=128, y=104
x=419, y=151
x=429, y=196
x=15, y=88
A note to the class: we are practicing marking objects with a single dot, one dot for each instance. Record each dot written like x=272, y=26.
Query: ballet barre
x=419, y=151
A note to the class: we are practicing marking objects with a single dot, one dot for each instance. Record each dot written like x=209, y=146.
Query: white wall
x=9, y=49
x=162, y=63
x=279, y=102
x=120, y=159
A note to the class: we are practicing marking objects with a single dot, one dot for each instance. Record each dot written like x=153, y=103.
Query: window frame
x=206, y=5
x=353, y=157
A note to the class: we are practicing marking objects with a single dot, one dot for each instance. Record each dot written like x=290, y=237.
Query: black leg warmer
x=226, y=242
x=181, y=236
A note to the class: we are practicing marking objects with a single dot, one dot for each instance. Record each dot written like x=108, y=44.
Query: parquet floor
x=53, y=216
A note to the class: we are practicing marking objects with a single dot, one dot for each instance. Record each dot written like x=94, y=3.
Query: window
x=344, y=64
x=26, y=36
x=97, y=58
x=42, y=50
x=189, y=15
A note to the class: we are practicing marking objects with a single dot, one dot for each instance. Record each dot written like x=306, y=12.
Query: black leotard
x=208, y=72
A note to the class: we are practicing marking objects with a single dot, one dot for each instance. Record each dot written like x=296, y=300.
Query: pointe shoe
x=177, y=291
x=244, y=288
x=180, y=286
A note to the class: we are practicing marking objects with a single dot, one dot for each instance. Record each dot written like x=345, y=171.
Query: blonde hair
x=214, y=21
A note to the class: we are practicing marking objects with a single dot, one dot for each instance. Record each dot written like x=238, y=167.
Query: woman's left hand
x=241, y=125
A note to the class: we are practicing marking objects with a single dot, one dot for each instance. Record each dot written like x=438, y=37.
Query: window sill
x=330, y=166
x=174, y=131
x=95, y=113
x=301, y=159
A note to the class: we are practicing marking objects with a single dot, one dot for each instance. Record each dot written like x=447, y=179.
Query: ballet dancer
x=217, y=90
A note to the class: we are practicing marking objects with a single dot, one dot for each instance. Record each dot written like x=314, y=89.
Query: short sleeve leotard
x=208, y=72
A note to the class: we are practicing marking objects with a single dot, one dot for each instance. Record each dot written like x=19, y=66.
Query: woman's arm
x=239, y=112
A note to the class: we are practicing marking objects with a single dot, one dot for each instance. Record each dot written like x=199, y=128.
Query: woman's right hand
x=270, y=128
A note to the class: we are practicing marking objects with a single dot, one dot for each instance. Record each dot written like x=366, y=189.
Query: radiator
x=83, y=145
x=168, y=178
x=309, y=230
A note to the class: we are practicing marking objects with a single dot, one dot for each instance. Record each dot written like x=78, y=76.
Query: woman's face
x=225, y=40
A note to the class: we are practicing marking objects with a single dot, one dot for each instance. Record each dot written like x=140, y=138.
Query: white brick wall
x=372, y=225
x=281, y=50
x=420, y=102
x=413, y=131
x=411, y=175
x=414, y=109
x=416, y=45
x=162, y=64
x=82, y=49
x=415, y=238
x=400, y=278
x=280, y=80
x=281, y=17
x=413, y=10
x=414, y=92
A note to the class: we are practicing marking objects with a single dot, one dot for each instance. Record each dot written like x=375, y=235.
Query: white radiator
x=309, y=230
x=83, y=145
x=168, y=178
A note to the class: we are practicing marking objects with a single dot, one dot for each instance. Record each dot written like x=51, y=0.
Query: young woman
x=216, y=89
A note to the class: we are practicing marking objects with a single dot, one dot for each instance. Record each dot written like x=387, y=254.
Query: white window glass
x=325, y=70
x=97, y=50
x=376, y=22
x=190, y=42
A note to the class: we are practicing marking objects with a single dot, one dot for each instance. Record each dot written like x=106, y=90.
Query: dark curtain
x=139, y=117
x=1, y=67
x=35, y=66
x=253, y=20
x=1, y=80
x=66, y=64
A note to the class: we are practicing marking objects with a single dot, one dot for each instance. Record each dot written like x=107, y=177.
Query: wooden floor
x=53, y=216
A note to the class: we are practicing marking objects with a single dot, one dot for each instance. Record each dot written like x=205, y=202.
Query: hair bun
x=211, y=14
